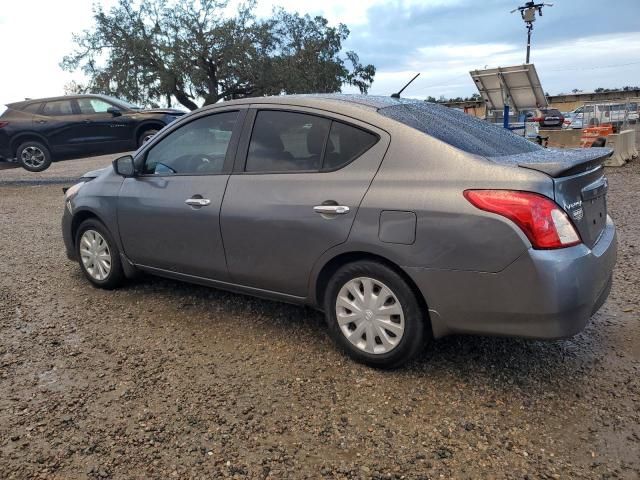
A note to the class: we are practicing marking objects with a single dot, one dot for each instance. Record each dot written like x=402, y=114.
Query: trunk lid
x=584, y=197
x=580, y=185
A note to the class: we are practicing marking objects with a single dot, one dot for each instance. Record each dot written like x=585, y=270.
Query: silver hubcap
x=95, y=255
x=32, y=156
x=370, y=315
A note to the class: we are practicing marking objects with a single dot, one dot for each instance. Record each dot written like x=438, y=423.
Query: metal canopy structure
x=517, y=87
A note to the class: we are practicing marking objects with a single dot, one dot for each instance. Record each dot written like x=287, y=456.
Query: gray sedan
x=402, y=220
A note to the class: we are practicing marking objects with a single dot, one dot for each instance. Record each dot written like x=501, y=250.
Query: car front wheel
x=374, y=314
x=98, y=255
x=146, y=136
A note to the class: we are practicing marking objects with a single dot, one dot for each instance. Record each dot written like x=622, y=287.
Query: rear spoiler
x=557, y=162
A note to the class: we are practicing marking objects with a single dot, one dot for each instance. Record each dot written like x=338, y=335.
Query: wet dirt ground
x=165, y=380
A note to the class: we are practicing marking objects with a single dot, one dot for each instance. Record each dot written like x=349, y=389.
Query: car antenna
x=397, y=95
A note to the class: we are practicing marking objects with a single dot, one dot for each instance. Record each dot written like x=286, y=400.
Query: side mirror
x=124, y=166
x=114, y=111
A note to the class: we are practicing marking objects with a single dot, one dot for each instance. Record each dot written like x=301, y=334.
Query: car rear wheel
x=33, y=156
x=374, y=314
x=146, y=136
x=98, y=255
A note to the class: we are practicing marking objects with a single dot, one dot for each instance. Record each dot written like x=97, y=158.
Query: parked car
x=402, y=220
x=602, y=114
x=549, y=118
x=36, y=132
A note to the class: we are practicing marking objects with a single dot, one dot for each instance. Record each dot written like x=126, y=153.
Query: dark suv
x=550, y=118
x=35, y=132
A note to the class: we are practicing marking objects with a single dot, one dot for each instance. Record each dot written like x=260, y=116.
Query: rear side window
x=290, y=142
x=60, y=107
x=32, y=108
x=459, y=129
x=286, y=141
x=345, y=144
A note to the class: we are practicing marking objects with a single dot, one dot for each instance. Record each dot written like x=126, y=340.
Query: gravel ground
x=166, y=380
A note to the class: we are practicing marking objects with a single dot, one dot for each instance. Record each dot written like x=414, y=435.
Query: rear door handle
x=197, y=202
x=331, y=209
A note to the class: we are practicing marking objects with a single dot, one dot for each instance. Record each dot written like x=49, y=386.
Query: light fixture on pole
x=528, y=14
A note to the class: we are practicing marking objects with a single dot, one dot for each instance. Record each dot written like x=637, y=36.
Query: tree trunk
x=184, y=99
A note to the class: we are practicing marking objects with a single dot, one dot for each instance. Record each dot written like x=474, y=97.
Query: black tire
x=33, y=156
x=115, y=276
x=599, y=142
x=146, y=135
x=413, y=337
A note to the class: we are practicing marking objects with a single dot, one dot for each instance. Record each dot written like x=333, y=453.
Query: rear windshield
x=459, y=129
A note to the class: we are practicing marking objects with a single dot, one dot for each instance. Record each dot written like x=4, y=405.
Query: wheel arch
x=148, y=125
x=78, y=218
x=331, y=266
x=25, y=137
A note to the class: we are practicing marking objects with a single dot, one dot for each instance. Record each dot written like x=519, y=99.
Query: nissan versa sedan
x=402, y=220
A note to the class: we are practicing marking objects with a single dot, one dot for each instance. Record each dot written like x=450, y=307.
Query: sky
x=581, y=44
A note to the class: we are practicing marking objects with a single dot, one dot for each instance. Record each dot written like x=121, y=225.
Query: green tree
x=196, y=52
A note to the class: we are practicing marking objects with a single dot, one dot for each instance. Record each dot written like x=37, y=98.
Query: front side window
x=60, y=107
x=286, y=141
x=93, y=105
x=199, y=147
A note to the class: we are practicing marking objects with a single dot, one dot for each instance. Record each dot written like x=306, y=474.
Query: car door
x=104, y=130
x=168, y=215
x=298, y=182
x=60, y=122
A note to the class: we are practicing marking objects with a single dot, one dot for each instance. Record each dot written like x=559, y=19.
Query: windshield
x=122, y=103
x=459, y=129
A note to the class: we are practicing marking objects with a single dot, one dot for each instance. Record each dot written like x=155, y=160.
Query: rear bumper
x=543, y=294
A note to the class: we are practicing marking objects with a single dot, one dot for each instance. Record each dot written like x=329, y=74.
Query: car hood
x=167, y=111
x=95, y=173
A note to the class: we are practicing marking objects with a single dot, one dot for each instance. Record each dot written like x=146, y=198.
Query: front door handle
x=331, y=209
x=197, y=202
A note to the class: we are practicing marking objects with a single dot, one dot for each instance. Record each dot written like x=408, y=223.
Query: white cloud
x=585, y=63
x=36, y=34
x=352, y=12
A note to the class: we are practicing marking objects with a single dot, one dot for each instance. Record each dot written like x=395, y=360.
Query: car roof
x=338, y=102
x=29, y=101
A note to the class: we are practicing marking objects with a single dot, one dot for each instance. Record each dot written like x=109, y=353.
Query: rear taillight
x=3, y=124
x=544, y=223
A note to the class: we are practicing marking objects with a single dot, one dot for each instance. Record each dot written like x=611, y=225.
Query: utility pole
x=528, y=14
